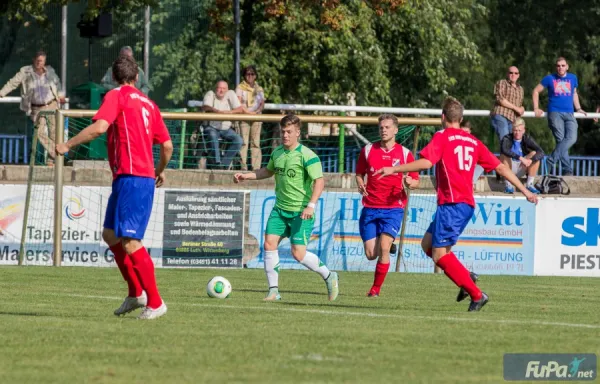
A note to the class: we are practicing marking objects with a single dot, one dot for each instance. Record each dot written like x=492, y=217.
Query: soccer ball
x=218, y=287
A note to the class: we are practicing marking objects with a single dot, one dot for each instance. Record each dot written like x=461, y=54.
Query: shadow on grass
x=331, y=305
x=34, y=314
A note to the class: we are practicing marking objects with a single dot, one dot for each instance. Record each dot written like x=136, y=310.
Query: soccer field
x=58, y=327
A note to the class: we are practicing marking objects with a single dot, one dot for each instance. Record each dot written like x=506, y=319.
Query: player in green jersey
x=298, y=185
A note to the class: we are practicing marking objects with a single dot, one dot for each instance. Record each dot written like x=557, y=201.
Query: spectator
x=40, y=91
x=108, y=81
x=562, y=96
x=508, y=104
x=252, y=97
x=222, y=100
x=521, y=154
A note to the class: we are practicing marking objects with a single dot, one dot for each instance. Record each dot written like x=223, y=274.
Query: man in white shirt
x=222, y=100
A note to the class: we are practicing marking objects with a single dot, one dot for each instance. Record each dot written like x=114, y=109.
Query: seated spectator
x=465, y=125
x=252, y=96
x=521, y=154
x=142, y=83
x=222, y=100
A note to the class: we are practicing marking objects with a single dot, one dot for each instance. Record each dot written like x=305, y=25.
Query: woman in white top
x=252, y=97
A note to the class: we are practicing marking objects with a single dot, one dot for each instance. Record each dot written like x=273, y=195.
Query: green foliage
x=25, y=9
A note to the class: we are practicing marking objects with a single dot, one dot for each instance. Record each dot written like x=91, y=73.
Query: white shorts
x=518, y=169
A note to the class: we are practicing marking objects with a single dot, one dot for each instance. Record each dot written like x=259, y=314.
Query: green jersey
x=295, y=172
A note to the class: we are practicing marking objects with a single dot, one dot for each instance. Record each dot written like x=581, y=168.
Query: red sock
x=144, y=268
x=381, y=271
x=126, y=268
x=457, y=272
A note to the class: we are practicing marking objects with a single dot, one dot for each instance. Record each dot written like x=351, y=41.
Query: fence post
x=341, y=140
x=58, y=189
x=403, y=229
x=34, y=142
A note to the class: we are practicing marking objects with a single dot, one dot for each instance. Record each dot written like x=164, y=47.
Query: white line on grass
x=279, y=308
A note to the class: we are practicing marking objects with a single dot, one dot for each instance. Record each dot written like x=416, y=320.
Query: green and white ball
x=218, y=287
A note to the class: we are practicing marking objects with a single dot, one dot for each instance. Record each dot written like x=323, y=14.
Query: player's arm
x=412, y=179
x=361, y=171
x=166, y=151
x=90, y=133
x=514, y=180
x=415, y=166
x=263, y=173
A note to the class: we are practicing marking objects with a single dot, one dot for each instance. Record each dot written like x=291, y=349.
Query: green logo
x=291, y=173
x=219, y=287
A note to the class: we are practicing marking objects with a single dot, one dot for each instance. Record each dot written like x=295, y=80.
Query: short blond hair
x=519, y=121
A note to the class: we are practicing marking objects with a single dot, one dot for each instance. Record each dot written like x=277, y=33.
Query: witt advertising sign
x=498, y=239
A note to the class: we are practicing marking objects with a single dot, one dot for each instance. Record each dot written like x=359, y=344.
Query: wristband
x=311, y=205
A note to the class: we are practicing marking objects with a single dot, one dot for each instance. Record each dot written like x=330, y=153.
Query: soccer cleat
x=131, y=304
x=462, y=294
x=509, y=190
x=151, y=314
x=477, y=305
x=333, y=288
x=533, y=189
x=373, y=293
x=273, y=295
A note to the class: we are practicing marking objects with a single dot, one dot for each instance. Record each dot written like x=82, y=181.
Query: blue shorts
x=129, y=206
x=375, y=221
x=449, y=222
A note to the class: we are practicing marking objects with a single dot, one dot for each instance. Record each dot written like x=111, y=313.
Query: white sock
x=530, y=180
x=272, y=268
x=312, y=262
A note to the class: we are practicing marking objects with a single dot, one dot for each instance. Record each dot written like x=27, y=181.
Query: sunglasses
x=513, y=73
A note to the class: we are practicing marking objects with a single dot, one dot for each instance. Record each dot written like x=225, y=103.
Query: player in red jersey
x=133, y=124
x=455, y=153
x=383, y=199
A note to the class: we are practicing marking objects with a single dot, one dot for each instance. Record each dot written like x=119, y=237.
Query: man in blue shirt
x=562, y=96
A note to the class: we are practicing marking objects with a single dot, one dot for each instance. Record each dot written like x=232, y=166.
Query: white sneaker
x=149, y=313
x=131, y=304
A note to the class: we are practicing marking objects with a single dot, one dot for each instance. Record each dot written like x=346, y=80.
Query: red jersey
x=135, y=125
x=387, y=192
x=455, y=154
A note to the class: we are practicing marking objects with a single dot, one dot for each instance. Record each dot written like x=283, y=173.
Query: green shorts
x=289, y=224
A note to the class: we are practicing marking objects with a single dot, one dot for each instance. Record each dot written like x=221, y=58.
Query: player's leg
x=300, y=233
x=388, y=225
x=136, y=297
x=449, y=222
x=277, y=229
x=134, y=209
x=367, y=227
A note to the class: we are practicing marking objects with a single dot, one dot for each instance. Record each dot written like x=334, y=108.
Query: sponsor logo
x=74, y=209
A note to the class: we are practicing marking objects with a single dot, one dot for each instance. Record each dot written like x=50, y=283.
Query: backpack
x=553, y=185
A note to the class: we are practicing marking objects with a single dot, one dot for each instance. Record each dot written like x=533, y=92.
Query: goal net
x=201, y=218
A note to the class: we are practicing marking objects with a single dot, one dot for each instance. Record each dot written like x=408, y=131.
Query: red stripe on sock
x=144, y=268
x=126, y=267
x=457, y=272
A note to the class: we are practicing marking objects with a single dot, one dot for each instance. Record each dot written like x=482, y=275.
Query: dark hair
x=248, y=69
x=389, y=116
x=40, y=53
x=290, y=119
x=452, y=110
x=465, y=124
x=125, y=69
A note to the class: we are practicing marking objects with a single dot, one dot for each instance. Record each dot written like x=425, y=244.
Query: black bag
x=553, y=185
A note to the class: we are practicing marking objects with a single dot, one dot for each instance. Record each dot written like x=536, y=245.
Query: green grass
x=58, y=327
